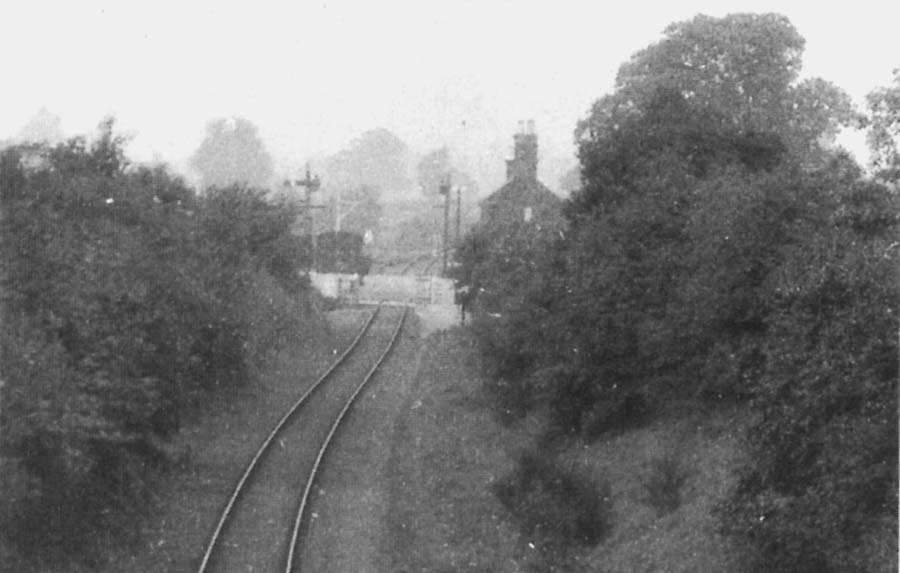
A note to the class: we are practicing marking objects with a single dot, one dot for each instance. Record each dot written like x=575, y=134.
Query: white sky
x=314, y=75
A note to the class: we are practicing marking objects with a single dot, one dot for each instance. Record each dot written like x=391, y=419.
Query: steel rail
x=298, y=521
x=239, y=488
x=416, y=262
x=409, y=265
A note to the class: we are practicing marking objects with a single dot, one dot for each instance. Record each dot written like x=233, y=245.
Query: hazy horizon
x=313, y=77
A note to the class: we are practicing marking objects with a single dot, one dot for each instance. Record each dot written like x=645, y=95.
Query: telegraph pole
x=311, y=184
x=445, y=191
x=340, y=216
x=337, y=211
x=458, y=209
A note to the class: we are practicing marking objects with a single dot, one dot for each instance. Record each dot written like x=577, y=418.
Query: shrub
x=506, y=355
x=616, y=413
x=663, y=483
x=822, y=471
x=554, y=504
x=123, y=294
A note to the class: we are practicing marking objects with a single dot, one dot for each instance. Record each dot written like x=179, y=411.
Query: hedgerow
x=126, y=297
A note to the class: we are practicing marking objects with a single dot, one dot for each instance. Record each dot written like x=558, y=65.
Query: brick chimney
x=523, y=165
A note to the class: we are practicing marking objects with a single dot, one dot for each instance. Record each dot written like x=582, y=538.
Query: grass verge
x=666, y=480
x=452, y=455
x=447, y=452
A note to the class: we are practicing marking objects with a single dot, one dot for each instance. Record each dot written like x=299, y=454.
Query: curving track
x=259, y=529
x=429, y=266
x=422, y=265
x=414, y=265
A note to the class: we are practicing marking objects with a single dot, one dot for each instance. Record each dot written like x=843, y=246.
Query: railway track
x=261, y=526
x=422, y=265
x=431, y=263
x=417, y=262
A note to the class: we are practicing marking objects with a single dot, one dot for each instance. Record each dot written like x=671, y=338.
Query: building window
x=528, y=214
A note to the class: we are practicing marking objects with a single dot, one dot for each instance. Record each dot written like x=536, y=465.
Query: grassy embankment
x=450, y=450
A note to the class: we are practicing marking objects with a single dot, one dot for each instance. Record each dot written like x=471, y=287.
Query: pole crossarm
x=311, y=184
x=445, y=191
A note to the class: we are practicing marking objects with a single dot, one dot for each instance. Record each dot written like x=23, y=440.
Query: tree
x=93, y=258
x=703, y=139
x=42, y=127
x=884, y=135
x=354, y=209
x=711, y=89
x=741, y=71
x=718, y=249
x=124, y=297
x=693, y=175
x=232, y=153
x=359, y=176
x=378, y=161
x=819, y=490
x=435, y=168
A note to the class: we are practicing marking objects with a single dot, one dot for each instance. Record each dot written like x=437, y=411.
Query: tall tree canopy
x=377, y=160
x=232, y=153
x=717, y=248
x=884, y=136
x=711, y=88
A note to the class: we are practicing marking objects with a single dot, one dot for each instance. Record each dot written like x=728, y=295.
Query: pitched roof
x=521, y=190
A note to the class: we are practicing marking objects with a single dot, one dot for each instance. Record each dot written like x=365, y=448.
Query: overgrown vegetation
x=127, y=299
x=555, y=505
x=663, y=483
x=718, y=250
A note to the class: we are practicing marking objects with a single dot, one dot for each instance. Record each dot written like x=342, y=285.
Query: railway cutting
x=259, y=529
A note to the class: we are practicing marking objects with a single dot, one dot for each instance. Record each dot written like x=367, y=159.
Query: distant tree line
x=718, y=250
x=128, y=299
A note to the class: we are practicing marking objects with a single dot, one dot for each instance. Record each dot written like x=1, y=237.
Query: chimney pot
x=523, y=165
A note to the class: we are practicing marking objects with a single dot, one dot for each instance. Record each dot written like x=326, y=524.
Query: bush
x=663, y=483
x=715, y=249
x=508, y=356
x=822, y=471
x=617, y=413
x=559, y=506
x=123, y=295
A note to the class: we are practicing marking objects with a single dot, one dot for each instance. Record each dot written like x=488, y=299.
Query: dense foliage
x=558, y=505
x=884, y=137
x=125, y=298
x=341, y=252
x=822, y=481
x=719, y=248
